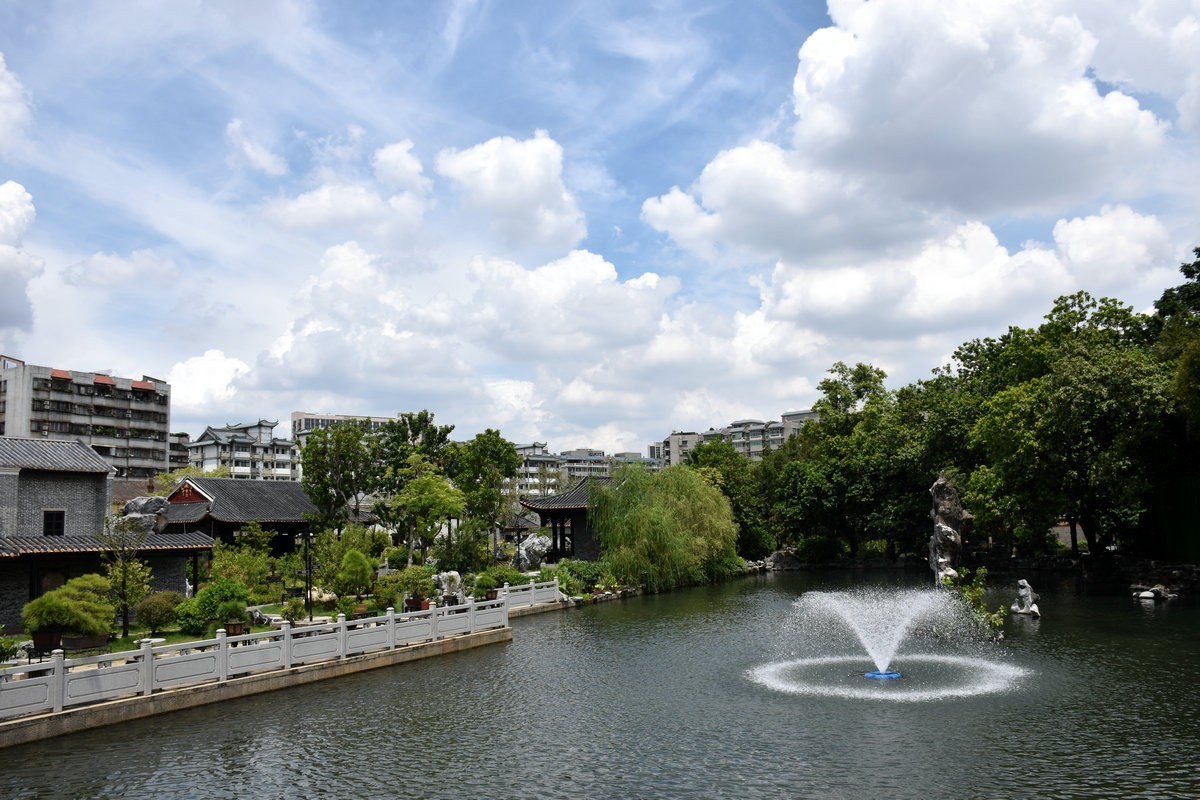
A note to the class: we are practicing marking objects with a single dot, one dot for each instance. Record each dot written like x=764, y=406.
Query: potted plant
x=485, y=587
x=80, y=606
x=417, y=583
x=236, y=620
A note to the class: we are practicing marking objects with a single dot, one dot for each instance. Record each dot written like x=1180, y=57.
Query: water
x=654, y=697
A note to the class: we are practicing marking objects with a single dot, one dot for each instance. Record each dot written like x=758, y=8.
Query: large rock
x=150, y=513
x=949, y=518
x=531, y=551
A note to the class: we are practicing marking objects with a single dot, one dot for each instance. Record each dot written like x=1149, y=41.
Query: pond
x=654, y=697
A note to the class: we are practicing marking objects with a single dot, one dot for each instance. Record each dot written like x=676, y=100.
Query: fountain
x=919, y=642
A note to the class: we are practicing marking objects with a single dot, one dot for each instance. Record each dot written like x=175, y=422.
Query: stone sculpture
x=948, y=520
x=450, y=584
x=150, y=512
x=531, y=551
x=1026, y=602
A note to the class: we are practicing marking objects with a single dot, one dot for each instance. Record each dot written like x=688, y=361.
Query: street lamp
x=307, y=535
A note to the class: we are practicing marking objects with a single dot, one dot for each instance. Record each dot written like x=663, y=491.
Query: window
x=54, y=523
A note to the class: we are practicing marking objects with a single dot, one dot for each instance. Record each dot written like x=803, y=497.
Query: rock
x=531, y=551
x=145, y=505
x=1026, y=600
x=949, y=519
x=780, y=561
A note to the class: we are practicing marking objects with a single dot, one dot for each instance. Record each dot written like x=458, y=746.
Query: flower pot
x=235, y=628
x=416, y=604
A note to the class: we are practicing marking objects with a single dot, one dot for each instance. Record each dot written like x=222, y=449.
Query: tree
x=338, y=471
x=355, y=574
x=128, y=575
x=664, y=529
x=730, y=472
x=427, y=501
x=81, y=605
x=412, y=433
x=480, y=469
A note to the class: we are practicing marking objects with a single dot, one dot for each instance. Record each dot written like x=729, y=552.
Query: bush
x=483, y=584
x=416, y=581
x=242, y=564
x=81, y=605
x=355, y=574
x=232, y=611
x=388, y=592
x=157, y=610
x=818, y=549
x=195, y=614
x=756, y=542
x=588, y=574
x=506, y=573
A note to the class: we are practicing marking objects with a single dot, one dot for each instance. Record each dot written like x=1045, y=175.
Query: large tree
x=338, y=471
x=128, y=575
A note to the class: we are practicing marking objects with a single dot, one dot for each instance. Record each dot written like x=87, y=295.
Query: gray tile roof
x=50, y=454
x=13, y=546
x=235, y=500
x=576, y=498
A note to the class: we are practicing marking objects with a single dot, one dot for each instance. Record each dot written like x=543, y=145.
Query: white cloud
x=17, y=268
x=517, y=185
x=17, y=213
x=14, y=108
x=396, y=166
x=996, y=111
x=567, y=308
x=252, y=153
x=108, y=271
x=347, y=206
x=206, y=384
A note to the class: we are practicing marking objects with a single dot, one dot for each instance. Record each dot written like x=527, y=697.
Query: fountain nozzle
x=881, y=675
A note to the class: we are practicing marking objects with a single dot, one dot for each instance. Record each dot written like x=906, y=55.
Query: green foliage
x=157, y=610
x=663, y=530
x=339, y=468
x=463, y=548
x=354, y=576
x=81, y=606
x=506, y=573
x=232, y=611
x=484, y=583
x=195, y=614
x=128, y=575
x=165, y=482
x=819, y=549
x=243, y=564
x=252, y=535
x=427, y=502
x=9, y=648
x=416, y=581
x=293, y=609
x=479, y=469
x=971, y=591
x=329, y=549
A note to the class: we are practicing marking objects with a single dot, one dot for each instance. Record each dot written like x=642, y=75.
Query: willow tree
x=664, y=529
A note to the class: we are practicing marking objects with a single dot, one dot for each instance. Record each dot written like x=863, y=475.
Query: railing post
x=147, y=667
x=343, y=638
x=471, y=616
x=391, y=626
x=286, y=630
x=434, y=611
x=222, y=656
x=58, y=688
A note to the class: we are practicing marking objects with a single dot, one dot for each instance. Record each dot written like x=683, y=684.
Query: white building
x=250, y=451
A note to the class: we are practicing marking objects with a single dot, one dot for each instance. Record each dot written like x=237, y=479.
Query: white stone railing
x=531, y=594
x=60, y=682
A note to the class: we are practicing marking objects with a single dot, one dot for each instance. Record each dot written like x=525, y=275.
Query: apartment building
x=249, y=450
x=125, y=420
x=305, y=422
x=751, y=437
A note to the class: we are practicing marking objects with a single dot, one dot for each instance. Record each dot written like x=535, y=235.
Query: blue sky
x=587, y=224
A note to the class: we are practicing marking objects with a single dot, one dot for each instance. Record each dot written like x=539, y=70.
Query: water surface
x=651, y=697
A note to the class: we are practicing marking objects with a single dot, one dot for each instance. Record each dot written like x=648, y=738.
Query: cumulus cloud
x=396, y=166
x=517, y=185
x=17, y=268
x=251, y=153
x=106, y=270
x=347, y=206
x=203, y=384
x=573, y=305
x=14, y=107
x=997, y=111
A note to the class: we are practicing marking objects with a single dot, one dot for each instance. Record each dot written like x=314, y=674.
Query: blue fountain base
x=881, y=675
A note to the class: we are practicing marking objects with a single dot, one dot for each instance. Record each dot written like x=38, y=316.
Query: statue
x=948, y=520
x=1026, y=602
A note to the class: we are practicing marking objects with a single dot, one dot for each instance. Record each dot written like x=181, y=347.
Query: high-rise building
x=249, y=451
x=125, y=420
x=305, y=422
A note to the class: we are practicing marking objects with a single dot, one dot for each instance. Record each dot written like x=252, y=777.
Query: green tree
x=127, y=574
x=81, y=605
x=734, y=475
x=427, y=501
x=412, y=433
x=480, y=469
x=662, y=530
x=338, y=470
x=165, y=482
x=354, y=576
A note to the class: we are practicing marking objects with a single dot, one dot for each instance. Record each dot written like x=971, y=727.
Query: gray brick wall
x=83, y=496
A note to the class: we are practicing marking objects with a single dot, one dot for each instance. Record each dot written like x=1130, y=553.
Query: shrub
x=388, y=592
x=818, y=549
x=355, y=574
x=232, y=611
x=483, y=584
x=81, y=605
x=157, y=610
x=506, y=573
x=194, y=615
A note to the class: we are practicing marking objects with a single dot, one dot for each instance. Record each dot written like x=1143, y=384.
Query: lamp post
x=306, y=536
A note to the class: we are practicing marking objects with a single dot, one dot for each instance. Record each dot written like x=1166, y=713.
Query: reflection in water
x=649, y=698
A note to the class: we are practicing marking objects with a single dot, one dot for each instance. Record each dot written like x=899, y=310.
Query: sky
x=585, y=224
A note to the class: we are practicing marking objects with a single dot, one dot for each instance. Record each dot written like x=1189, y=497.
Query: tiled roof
x=235, y=500
x=50, y=454
x=576, y=498
x=13, y=546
